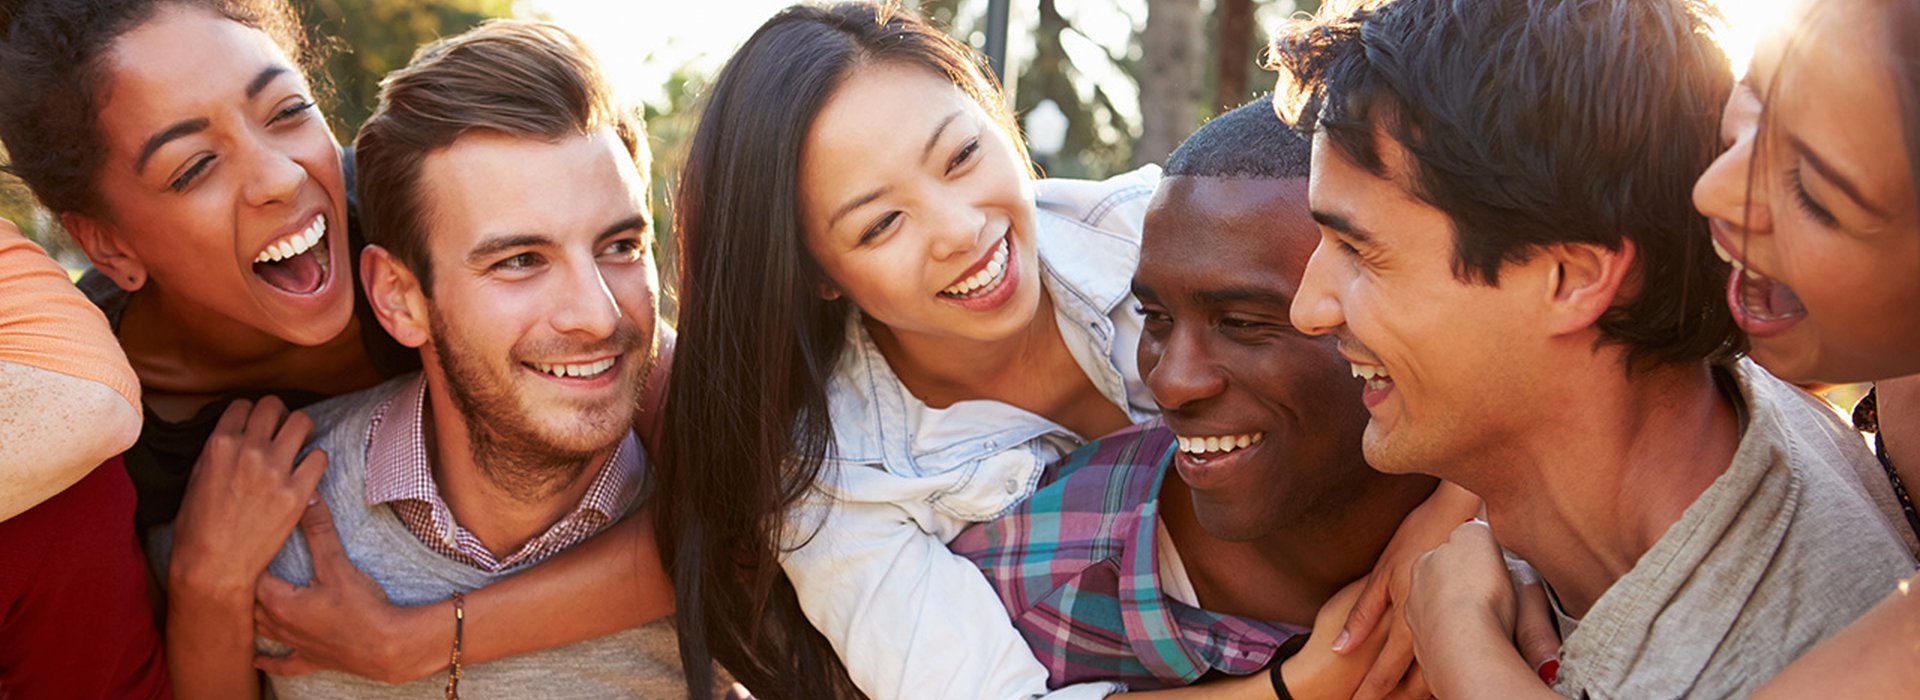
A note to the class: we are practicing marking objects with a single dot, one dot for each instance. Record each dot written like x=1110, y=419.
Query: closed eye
x=879, y=227
x=192, y=172
x=966, y=153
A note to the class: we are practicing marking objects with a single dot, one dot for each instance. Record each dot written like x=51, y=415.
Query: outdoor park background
x=1101, y=85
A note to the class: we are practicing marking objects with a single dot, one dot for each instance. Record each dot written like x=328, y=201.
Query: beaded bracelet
x=459, y=627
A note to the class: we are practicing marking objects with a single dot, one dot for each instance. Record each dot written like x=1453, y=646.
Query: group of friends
x=1471, y=363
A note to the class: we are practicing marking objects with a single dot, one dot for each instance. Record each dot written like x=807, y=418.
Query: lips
x=1208, y=462
x=985, y=275
x=296, y=263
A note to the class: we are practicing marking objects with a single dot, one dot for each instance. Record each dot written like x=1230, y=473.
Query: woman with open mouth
x=1814, y=203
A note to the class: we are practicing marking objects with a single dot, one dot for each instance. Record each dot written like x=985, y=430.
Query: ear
x=109, y=254
x=828, y=290
x=1585, y=280
x=395, y=295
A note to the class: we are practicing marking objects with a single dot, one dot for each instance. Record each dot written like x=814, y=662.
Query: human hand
x=1426, y=527
x=341, y=620
x=1463, y=612
x=1318, y=672
x=242, y=499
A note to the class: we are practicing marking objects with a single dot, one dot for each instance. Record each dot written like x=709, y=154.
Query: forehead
x=182, y=63
x=489, y=184
x=881, y=115
x=1228, y=230
x=1831, y=87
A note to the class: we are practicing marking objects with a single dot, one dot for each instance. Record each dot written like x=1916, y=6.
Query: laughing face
x=1816, y=208
x=1268, y=421
x=1441, y=358
x=222, y=183
x=542, y=309
x=915, y=204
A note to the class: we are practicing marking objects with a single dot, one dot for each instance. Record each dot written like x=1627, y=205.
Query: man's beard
x=512, y=450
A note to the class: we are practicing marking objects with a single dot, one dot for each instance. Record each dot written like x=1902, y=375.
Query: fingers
x=266, y=417
x=1365, y=615
x=291, y=433
x=1413, y=686
x=1388, y=668
x=323, y=542
x=306, y=477
x=1533, y=630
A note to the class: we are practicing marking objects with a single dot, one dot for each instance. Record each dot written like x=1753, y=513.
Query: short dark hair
x=516, y=77
x=53, y=77
x=1250, y=141
x=1535, y=122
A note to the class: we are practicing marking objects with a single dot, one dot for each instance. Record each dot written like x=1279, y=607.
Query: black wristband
x=1292, y=646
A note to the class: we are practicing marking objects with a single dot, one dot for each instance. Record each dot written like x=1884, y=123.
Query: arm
x=893, y=601
x=342, y=620
x=60, y=367
x=241, y=504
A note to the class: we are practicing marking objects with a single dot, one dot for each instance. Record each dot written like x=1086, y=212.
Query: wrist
x=200, y=584
x=423, y=635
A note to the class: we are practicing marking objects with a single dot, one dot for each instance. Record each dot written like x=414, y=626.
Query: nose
x=586, y=306
x=275, y=177
x=1185, y=372
x=956, y=229
x=1316, y=306
x=1729, y=192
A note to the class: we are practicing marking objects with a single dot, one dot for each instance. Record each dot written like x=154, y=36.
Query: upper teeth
x=986, y=275
x=588, y=369
x=295, y=243
x=1224, y=443
x=1369, y=372
x=1721, y=251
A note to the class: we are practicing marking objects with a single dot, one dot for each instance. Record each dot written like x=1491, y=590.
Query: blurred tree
x=368, y=38
x=1172, y=66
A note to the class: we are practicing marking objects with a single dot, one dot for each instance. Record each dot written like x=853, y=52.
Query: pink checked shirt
x=399, y=473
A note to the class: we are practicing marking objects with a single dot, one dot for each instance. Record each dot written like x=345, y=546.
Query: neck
x=944, y=370
x=1603, y=469
x=1288, y=573
x=186, y=356
x=505, y=498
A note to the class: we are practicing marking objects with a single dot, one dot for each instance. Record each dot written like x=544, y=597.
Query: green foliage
x=365, y=39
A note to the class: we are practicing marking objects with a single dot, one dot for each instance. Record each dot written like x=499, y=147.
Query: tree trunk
x=1236, y=54
x=1171, y=73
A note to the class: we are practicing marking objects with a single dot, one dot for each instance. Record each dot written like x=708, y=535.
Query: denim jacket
x=909, y=618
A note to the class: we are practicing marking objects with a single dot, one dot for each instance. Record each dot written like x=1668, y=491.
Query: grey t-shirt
x=642, y=662
x=1784, y=549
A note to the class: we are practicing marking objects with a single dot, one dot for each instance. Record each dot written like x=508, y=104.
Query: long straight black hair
x=747, y=430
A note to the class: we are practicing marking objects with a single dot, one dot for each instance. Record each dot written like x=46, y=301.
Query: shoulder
x=1116, y=206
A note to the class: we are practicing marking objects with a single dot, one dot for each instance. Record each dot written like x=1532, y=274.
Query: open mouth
x=1376, y=382
x=297, y=263
x=986, y=277
x=1761, y=304
x=1202, y=449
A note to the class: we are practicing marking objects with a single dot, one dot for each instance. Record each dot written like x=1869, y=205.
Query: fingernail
x=1340, y=642
x=1548, y=670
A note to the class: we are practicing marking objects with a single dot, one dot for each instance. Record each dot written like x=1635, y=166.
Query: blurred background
x=1100, y=85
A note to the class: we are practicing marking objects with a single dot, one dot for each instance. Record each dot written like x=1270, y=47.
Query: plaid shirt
x=1077, y=567
x=400, y=473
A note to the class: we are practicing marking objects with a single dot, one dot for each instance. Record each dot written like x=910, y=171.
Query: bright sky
x=641, y=42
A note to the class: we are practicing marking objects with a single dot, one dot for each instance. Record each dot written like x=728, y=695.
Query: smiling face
x=1268, y=421
x=542, y=307
x=222, y=182
x=917, y=207
x=1445, y=359
x=1829, y=237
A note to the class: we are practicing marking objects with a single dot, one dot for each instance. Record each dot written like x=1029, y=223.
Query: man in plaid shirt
x=1197, y=546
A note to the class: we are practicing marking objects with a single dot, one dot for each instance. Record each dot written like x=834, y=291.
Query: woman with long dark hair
x=888, y=328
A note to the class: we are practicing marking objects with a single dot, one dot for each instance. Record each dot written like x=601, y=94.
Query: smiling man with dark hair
x=1204, y=544
x=1510, y=257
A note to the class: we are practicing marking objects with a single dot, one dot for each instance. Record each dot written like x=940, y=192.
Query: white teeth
x=296, y=243
x=1721, y=251
x=589, y=369
x=1369, y=372
x=1218, y=443
x=986, y=276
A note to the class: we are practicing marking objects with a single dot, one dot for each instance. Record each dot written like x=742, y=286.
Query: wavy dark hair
x=53, y=77
x=1536, y=122
x=748, y=432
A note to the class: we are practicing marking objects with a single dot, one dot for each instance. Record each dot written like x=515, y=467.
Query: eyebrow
x=632, y=223
x=1252, y=295
x=495, y=246
x=265, y=77
x=1828, y=173
x=876, y=193
x=196, y=125
x=1341, y=224
x=182, y=128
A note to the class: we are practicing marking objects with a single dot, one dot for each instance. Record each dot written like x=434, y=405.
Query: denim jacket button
x=1013, y=484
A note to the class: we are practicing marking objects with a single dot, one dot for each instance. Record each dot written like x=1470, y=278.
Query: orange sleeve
x=46, y=322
